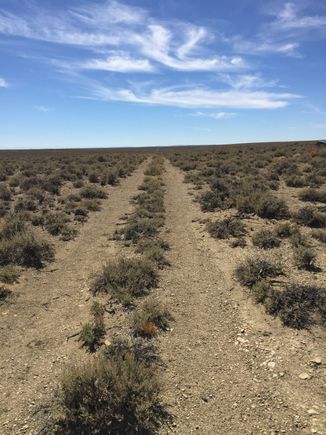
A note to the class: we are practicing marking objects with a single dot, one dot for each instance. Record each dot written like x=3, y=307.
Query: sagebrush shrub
x=9, y=274
x=310, y=217
x=272, y=208
x=141, y=228
x=304, y=257
x=92, y=334
x=298, y=305
x=151, y=316
x=261, y=290
x=256, y=269
x=115, y=394
x=313, y=195
x=91, y=192
x=319, y=235
x=125, y=279
x=286, y=229
x=25, y=249
x=266, y=239
x=225, y=228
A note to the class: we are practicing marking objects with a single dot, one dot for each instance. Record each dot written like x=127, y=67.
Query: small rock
x=107, y=343
x=271, y=365
x=316, y=360
x=304, y=376
x=312, y=412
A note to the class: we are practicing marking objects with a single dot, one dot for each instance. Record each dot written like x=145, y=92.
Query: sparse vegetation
x=304, y=258
x=254, y=270
x=298, y=305
x=266, y=239
x=125, y=279
x=150, y=317
x=225, y=228
x=92, y=334
x=117, y=393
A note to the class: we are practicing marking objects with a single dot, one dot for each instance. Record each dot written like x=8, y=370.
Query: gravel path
x=52, y=304
x=219, y=377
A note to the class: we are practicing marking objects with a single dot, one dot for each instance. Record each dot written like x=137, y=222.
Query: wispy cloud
x=215, y=115
x=263, y=46
x=289, y=18
x=120, y=62
x=197, y=97
x=113, y=25
x=283, y=34
x=3, y=83
x=247, y=81
x=118, y=38
x=43, y=109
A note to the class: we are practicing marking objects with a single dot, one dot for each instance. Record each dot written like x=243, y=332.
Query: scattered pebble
x=304, y=376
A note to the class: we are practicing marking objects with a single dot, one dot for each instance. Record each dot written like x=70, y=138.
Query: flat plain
x=165, y=290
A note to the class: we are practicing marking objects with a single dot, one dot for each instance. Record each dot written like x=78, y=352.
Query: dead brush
x=150, y=317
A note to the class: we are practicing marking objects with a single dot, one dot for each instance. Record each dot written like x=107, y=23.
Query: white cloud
x=110, y=12
x=99, y=28
x=197, y=97
x=261, y=47
x=120, y=63
x=216, y=115
x=246, y=81
x=3, y=83
x=289, y=19
x=43, y=109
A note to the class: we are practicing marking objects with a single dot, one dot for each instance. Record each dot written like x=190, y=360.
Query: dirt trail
x=219, y=378
x=52, y=304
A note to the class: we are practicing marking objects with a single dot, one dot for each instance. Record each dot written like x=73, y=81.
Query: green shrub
x=270, y=207
x=90, y=204
x=256, y=269
x=9, y=274
x=117, y=394
x=25, y=249
x=246, y=204
x=319, y=235
x=211, y=201
x=261, y=290
x=298, y=239
x=156, y=254
x=298, y=305
x=310, y=217
x=125, y=279
x=295, y=181
x=150, y=317
x=141, y=228
x=313, y=195
x=57, y=225
x=225, y=228
x=266, y=239
x=91, y=192
x=285, y=230
x=13, y=225
x=92, y=334
x=304, y=258
x=239, y=242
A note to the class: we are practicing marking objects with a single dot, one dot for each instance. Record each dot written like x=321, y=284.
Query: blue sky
x=106, y=73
